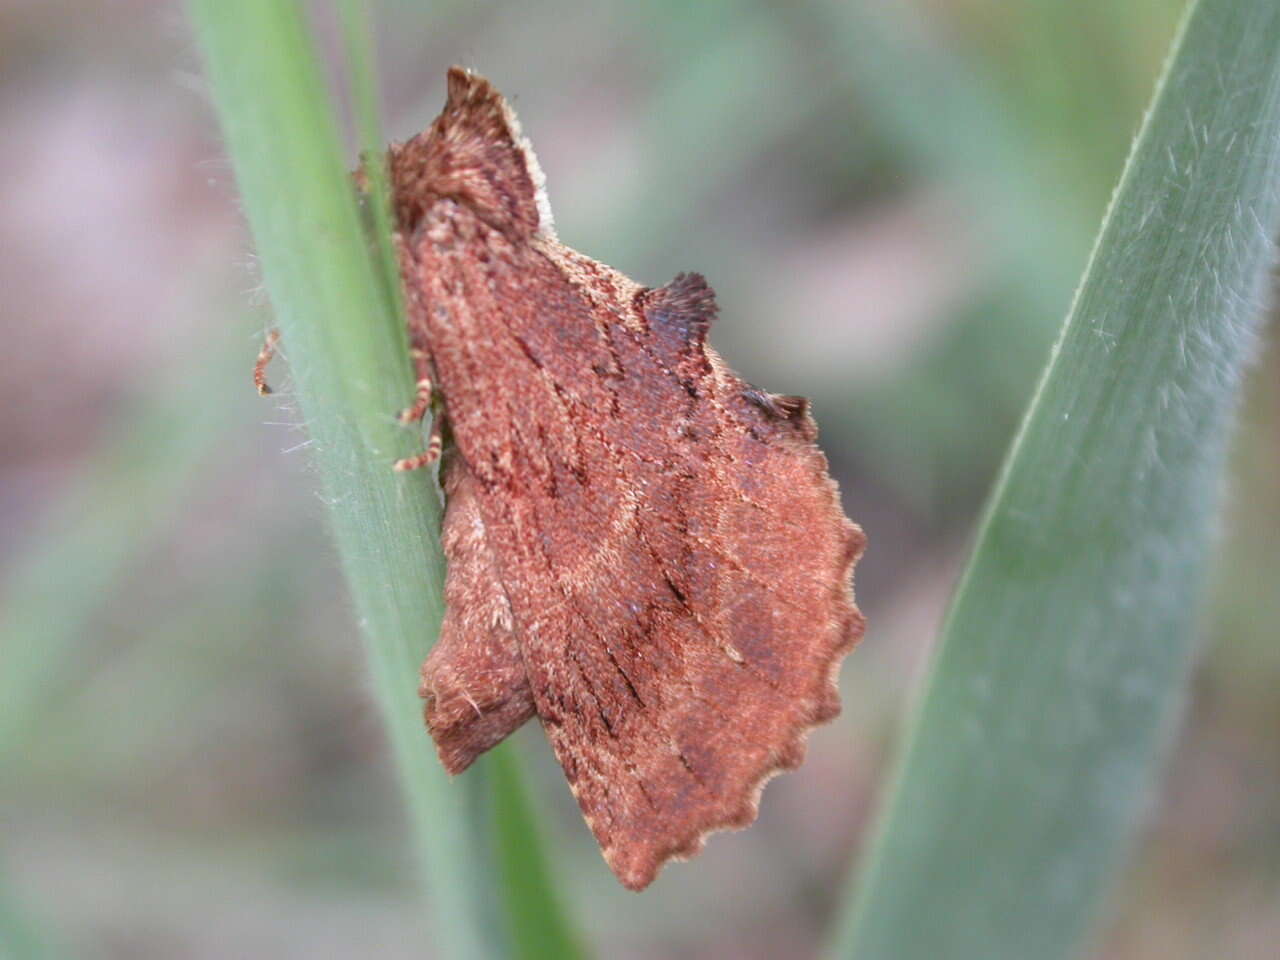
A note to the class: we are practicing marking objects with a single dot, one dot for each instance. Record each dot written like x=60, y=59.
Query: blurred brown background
x=893, y=202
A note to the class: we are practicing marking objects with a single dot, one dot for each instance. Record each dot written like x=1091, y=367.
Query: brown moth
x=644, y=551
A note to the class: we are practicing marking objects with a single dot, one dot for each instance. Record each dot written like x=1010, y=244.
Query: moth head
x=475, y=154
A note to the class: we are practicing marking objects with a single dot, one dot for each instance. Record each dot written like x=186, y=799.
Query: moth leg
x=413, y=414
x=360, y=180
x=421, y=403
x=360, y=175
x=264, y=358
x=435, y=443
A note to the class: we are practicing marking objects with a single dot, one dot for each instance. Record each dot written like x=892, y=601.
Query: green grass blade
x=538, y=925
x=536, y=922
x=358, y=33
x=1067, y=647
x=349, y=361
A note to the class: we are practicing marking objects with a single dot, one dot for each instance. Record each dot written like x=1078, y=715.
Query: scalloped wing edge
x=823, y=706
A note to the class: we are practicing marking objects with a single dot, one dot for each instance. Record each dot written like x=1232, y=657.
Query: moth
x=644, y=551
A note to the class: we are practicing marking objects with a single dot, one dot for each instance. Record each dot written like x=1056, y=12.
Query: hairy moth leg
x=413, y=414
x=264, y=358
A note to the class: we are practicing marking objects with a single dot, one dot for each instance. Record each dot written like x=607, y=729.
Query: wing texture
x=474, y=681
x=643, y=549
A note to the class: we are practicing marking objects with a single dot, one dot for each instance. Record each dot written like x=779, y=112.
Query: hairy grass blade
x=1066, y=651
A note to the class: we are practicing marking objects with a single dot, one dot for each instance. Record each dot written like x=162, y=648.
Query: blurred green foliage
x=199, y=765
